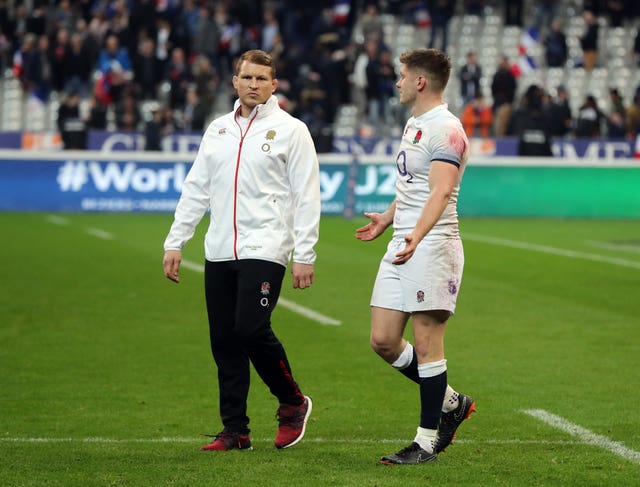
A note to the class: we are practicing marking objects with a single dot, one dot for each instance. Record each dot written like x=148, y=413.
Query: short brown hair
x=256, y=56
x=434, y=63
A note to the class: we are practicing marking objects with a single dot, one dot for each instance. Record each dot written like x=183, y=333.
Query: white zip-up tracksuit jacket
x=262, y=185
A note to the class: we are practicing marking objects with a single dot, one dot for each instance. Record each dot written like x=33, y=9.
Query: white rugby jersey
x=436, y=135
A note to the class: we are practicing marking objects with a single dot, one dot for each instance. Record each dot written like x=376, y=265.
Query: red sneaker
x=292, y=422
x=228, y=441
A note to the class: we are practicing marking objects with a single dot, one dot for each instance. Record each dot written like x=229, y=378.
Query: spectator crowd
x=106, y=59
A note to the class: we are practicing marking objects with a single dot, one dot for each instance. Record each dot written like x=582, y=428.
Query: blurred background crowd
x=164, y=66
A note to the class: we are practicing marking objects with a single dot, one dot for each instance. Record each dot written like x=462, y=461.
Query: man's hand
x=171, y=264
x=405, y=254
x=302, y=275
x=374, y=228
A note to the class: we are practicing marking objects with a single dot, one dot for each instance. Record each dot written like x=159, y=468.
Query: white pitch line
x=57, y=220
x=192, y=266
x=614, y=246
x=285, y=303
x=552, y=250
x=96, y=232
x=586, y=436
x=99, y=440
x=307, y=313
x=344, y=441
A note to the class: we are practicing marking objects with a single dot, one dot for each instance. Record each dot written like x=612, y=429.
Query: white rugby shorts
x=430, y=280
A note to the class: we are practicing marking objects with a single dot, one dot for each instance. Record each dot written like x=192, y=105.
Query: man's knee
x=388, y=348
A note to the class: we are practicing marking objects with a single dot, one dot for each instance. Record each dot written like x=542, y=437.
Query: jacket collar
x=264, y=109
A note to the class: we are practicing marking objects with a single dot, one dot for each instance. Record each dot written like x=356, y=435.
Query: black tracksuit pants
x=241, y=295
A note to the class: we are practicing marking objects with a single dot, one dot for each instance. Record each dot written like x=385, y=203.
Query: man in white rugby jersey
x=420, y=274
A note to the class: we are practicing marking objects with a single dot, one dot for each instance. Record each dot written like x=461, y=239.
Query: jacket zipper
x=235, y=183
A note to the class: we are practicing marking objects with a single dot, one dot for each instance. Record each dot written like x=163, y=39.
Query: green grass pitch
x=106, y=376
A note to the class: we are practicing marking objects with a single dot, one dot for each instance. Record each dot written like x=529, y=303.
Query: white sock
x=425, y=438
x=431, y=369
x=403, y=361
x=450, y=400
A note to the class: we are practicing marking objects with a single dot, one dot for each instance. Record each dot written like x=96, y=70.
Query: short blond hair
x=256, y=56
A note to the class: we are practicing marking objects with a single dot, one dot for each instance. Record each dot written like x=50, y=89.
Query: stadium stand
x=316, y=64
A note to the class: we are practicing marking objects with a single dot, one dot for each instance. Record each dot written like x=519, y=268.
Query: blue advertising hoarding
x=89, y=184
x=143, y=182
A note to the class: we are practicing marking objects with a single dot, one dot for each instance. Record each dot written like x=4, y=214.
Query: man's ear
x=422, y=83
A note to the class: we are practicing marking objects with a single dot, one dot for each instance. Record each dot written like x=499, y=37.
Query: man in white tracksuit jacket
x=257, y=171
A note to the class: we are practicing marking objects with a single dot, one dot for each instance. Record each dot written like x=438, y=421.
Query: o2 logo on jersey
x=401, y=163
